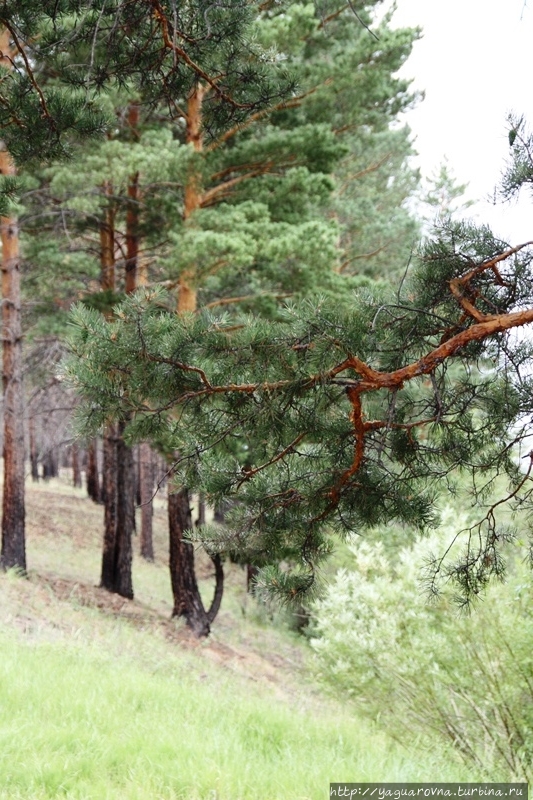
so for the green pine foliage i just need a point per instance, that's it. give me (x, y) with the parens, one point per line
(277, 218)
(199, 385)
(519, 170)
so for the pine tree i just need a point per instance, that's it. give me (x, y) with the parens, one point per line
(33, 122)
(244, 131)
(13, 553)
(146, 52)
(356, 412)
(255, 184)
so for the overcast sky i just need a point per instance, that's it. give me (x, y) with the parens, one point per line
(475, 64)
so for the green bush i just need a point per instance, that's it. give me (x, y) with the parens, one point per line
(427, 668)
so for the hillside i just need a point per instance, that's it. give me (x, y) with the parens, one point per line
(105, 698)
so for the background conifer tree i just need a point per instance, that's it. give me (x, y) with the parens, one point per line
(255, 221)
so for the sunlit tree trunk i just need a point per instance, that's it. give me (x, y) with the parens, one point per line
(187, 599)
(187, 296)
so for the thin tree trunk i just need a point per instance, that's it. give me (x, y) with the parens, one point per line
(107, 580)
(201, 510)
(93, 480)
(118, 480)
(137, 468)
(146, 481)
(187, 600)
(187, 295)
(219, 587)
(107, 245)
(251, 574)
(34, 456)
(76, 471)
(119, 513)
(219, 514)
(13, 552)
(125, 516)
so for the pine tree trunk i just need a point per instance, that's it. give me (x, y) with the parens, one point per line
(146, 481)
(187, 600)
(107, 245)
(119, 516)
(201, 510)
(107, 580)
(34, 456)
(137, 468)
(251, 574)
(118, 488)
(125, 516)
(93, 480)
(187, 294)
(76, 471)
(50, 464)
(219, 514)
(13, 552)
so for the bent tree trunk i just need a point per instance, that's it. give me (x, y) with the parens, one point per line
(13, 553)
(187, 600)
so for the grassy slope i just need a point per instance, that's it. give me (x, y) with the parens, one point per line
(110, 699)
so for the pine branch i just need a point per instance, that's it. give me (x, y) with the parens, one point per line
(225, 301)
(293, 102)
(31, 76)
(170, 43)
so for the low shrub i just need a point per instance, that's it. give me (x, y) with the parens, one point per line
(426, 668)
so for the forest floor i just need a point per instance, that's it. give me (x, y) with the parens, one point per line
(103, 698)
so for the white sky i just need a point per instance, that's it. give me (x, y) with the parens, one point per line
(474, 63)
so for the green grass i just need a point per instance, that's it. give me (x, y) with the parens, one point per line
(96, 705)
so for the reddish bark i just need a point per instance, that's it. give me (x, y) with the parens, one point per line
(13, 551)
(107, 245)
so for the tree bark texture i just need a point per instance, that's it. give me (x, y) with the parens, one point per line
(251, 575)
(50, 464)
(107, 245)
(187, 600)
(119, 516)
(125, 516)
(187, 295)
(93, 480)
(13, 551)
(76, 471)
(34, 454)
(107, 580)
(146, 481)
